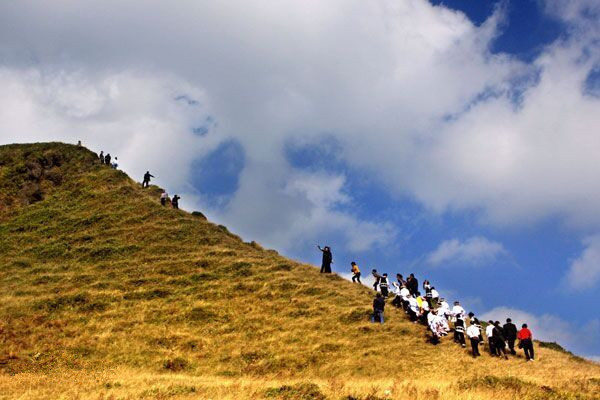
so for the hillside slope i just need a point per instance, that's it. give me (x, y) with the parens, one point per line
(107, 294)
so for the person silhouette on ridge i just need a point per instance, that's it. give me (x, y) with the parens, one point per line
(327, 259)
(146, 181)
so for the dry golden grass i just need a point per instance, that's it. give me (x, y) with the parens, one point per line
(106, 294)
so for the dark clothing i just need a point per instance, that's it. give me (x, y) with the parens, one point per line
(146, 181)
(459, 332)
(510, 333)
(101, 157)
(383, 285)
(475, 347)
(492, 346)
(527, 346)
(356, 277)
(326, 263)
(499, 341)
(175, 201)
(163, 201)
(377, 280)
(378, 304)
(412, 284)
(107, 159)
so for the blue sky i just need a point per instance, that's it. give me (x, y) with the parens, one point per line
(456, 139)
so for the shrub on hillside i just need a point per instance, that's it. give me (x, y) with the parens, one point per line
(176, 364)
(300, 391)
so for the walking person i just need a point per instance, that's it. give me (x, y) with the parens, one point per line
(146, 181)
(102, 157)
(175, 201)
(378, 308)
(327, 259)
(526, 342)
(355, 272)
(489, 332)
(459, 331)
(383, 286)
(499, 340)
(473, 333)
(163, 198)
(510, 333)
(377, 278)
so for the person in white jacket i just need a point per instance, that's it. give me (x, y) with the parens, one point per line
(473, 333)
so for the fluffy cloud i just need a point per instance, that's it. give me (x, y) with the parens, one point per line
(473, 251)
(550, 328)
(410, 91)
(584, 272)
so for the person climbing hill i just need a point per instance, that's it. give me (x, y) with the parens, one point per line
(526, 342)
(175, 201)
(146, 181)
(327, 259)
(378, 308)
(101, 156)
(107, 159)
(355, 272)
(163, 198)
(377, 278)
(510, 333)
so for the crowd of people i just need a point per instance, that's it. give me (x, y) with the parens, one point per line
(105, 159)
(433, 311)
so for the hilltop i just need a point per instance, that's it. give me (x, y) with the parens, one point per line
(107, 294)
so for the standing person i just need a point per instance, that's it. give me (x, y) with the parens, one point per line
(383, 285)
(400, 279)
(526, 342)
(355, 272)
(473, 333)
(327, 259)
(458, 311)
(146, 181)
(102, 157)
(115, 164)
(107, 159)
(412, 284)
(510, 333)
(175, 201)
(459, 331)
(378, 307)
(489, 332)
(377, 278)
(163, 198)
(499, 340)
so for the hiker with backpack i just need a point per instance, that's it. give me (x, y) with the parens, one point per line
(327, 259)
(146, 181)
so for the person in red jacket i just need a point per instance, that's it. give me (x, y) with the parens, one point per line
(526, 342)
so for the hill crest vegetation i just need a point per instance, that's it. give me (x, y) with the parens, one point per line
(107, 294)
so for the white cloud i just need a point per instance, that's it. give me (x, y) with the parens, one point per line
(584, 272)
(550, 328)
(473, 251)
(380, 77)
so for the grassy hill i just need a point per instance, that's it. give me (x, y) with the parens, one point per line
(105, 294)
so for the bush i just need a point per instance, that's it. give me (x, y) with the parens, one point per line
(301, 391)
(198, 214)
(176, 364)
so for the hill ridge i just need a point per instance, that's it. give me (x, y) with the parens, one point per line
(84, 295)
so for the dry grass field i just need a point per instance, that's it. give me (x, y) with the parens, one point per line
(105, 294)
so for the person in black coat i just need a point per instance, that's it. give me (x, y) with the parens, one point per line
(175, 201)
(510, 333)
(412, 284)
(378, 307)
(327, 259)
(499, 339)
